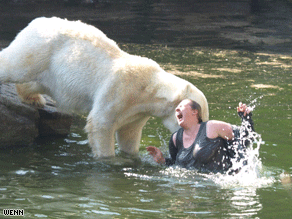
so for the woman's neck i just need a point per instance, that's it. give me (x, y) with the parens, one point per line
(193, 129)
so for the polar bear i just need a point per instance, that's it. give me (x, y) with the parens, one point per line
(83, 70)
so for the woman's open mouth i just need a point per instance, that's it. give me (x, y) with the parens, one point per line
(179, 116)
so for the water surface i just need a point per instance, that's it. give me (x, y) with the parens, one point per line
(59, 178)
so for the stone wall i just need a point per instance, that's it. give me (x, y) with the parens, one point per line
(21, 124)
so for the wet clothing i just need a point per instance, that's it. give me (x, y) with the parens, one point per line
(206, 154)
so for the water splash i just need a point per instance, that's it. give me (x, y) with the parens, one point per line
(247, 169)
(251, 174)
(254, 102)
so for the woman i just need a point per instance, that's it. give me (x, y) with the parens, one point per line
(205, 146)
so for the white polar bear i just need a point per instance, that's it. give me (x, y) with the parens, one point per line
(82, 69)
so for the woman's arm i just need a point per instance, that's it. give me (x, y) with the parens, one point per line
(172, 150)
(158, 156)
(224, 130)
(219, 129)
(245, 113)
(243, 108)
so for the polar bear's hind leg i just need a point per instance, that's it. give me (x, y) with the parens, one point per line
(29, 93)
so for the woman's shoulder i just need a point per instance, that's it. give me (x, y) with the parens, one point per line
(216, 128)
(174, 137)
(177, 135)
(216, 123)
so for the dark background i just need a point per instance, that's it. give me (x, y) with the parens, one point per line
(256, 25)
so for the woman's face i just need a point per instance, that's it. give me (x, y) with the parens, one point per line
(184, 113)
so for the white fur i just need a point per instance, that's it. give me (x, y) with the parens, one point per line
(83, 70)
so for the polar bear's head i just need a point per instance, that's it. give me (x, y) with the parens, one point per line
(170, 122)
(187, 91)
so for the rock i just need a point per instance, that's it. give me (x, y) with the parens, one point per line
(21, 124)
(53, 122)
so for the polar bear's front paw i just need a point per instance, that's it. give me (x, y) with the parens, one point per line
(36, 100)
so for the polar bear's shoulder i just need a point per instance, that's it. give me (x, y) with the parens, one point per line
(137, 65)
(56, 27)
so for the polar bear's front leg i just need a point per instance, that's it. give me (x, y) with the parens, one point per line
(102, 143)
(101, 137)
(129, 136)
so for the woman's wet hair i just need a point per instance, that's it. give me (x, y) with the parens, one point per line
(195, 106)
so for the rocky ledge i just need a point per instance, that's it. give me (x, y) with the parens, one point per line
(21, 124)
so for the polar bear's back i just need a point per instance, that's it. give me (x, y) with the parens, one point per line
(56, 30)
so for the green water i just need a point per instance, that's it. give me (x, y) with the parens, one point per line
(59, 178)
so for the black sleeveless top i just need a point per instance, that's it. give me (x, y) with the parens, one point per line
(212, 155)
(205, 154)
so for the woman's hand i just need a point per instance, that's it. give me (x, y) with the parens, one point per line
(244, 109)
(156, 153)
